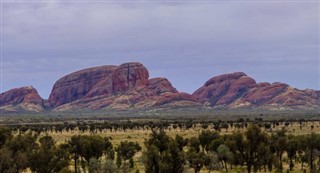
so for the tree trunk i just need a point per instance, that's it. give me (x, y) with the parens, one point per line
(225, 165)
(75, 164)
(249, 167)
(280, 162)
(291, 164)
(311, 160)
(83, 164)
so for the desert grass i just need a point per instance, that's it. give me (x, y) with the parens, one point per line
(139, 135)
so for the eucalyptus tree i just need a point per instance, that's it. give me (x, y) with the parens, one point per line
(224, 155)
(126, 150)
(196, 159)
(87, 148)
(250, 146)
(279, 142)
(5, 134)
(49, 158)
(164, 154)
(312, 144)
(205, 138)
(21, 146)
(292, 148)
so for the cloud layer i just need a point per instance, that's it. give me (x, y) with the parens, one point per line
(186, 42)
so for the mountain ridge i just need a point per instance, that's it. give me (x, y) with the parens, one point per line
(128, 86)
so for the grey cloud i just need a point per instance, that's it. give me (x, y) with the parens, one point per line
(182, 41)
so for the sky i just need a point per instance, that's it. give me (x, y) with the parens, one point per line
(187, 42)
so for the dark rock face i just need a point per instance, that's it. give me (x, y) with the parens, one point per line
(24, 96)
(238, 90)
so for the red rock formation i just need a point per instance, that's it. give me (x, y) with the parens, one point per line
(129, 75)
(84, 83)
(171, 97)
(121, 86)
(262, 94)
(239, 90)
(160, 86)
(128, 86)
(24, 96)
(224, 89)
(20, 95)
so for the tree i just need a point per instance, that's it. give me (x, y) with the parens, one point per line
(21, 146)
(205, 138)
(172, 159)
(108, 148)
(196, 160)
(181, 142)
(5, 160)
(224, 155)
(75, 149)
(5, 134)
(87, 147)
(167, 157)
(159, 139)
(212, 161)
(214, 144)
(250, 146)
(126, 150)
(312, 143)
(279, 142)
(49, 158)
(151, 159)
(292, 148)
(195, 144)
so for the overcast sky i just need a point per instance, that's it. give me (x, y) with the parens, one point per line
(187, 42)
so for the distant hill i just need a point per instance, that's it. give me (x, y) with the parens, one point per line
(237, 90)
(128, 87)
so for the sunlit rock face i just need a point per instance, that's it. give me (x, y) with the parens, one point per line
(128, 86)
(121, 87)
(21, 98)
(236, 90)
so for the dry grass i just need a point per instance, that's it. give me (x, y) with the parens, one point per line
(140, 136)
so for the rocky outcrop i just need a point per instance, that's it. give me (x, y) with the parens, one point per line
(26, 98)
(120, 87)
(160, 86)
(84, 83)
(128, 76)
(264, 93)
(174, 97)
(238, 90)
(224, 89)
(128, 86)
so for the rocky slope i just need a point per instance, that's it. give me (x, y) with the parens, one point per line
(24, 98)
(238, 90)
(119, 87)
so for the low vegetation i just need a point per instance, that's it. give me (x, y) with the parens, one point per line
(163, 146)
